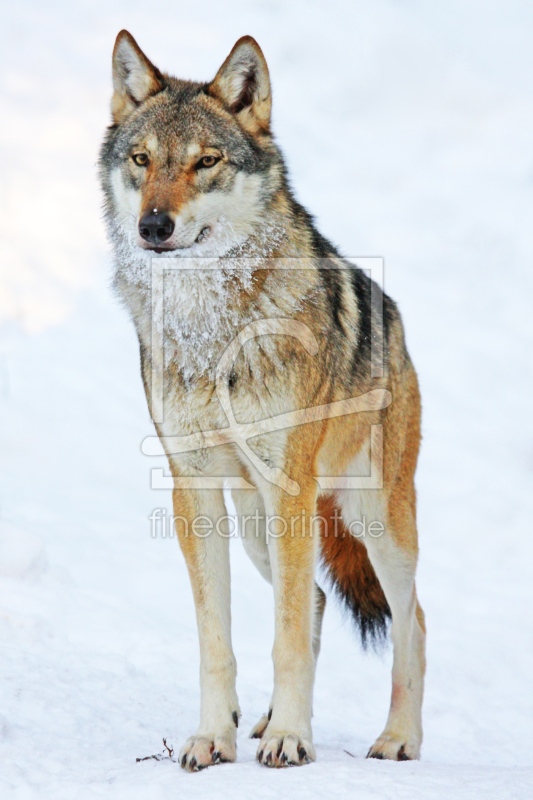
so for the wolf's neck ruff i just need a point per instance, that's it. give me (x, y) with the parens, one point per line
(207, 298)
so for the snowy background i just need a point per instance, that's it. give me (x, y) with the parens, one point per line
(408, 129)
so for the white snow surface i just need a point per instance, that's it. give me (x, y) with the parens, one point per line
(408, 132)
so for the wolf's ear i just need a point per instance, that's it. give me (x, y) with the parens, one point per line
(243, 85)
(135, 78)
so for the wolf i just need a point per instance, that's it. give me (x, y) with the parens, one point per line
(191, 173)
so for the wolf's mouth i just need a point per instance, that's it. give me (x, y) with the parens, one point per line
(204, 233)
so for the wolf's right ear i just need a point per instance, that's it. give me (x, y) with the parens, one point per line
(135, 78)
(243, 85)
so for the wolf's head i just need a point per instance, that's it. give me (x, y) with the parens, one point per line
(188, 167)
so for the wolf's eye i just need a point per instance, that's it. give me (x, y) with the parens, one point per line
(141, 159)
(207, 161)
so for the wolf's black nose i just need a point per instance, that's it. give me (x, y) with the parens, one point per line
(156, 228)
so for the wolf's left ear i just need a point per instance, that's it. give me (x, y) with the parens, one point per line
(135, 78)
(243, 85)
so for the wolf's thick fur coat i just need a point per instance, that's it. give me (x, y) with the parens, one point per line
(201, 158)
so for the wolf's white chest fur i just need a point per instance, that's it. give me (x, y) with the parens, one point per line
(198, 306)
(188, 303)
(198, 301)
(199, 314)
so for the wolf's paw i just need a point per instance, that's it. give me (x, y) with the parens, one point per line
(395, 748)
(200, 752)
(284, 750)
(260, 727)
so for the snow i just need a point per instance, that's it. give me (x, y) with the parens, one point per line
(407, 128)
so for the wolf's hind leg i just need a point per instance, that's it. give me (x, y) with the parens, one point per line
(252, 527)
(394, 561)
(394, 557)
(320, 607)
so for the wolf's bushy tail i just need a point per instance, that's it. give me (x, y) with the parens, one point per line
(351, 575)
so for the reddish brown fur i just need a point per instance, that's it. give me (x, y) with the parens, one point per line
(350, 571)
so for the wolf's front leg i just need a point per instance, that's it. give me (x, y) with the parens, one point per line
(206, 552)
(287, 740)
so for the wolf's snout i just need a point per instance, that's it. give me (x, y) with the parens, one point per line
(156, 228)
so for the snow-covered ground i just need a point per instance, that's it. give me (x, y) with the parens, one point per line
(408, 128)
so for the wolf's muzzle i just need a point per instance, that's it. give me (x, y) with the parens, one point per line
(156, 228)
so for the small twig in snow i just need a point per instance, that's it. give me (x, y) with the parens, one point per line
(170, 750)
(168, 756)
